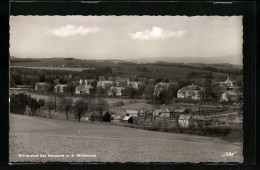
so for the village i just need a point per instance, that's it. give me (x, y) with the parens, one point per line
(193, 106)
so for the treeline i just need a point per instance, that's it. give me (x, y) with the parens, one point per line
(19, 102)
(29, 76)
(24, 104)
(228, 71)
(24, 60)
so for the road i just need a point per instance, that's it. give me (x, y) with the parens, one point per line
(109, 143)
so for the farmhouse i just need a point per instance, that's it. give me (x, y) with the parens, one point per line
(103, 84)
(42, 86)
(83, 89)
(190, 92)
(185, 121)
(59, 88)
(162, 112)
(132, 113)
(159, 87)
(115, 118)
(228, 96)
(128, 119)
(115, 91)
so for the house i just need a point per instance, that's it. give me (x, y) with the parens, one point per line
(228, 96)
(128, 119)
(115, 91)
(59, 88)
(115, 118)
(162, 112)
(185, 121)
(103, 84)
(42, 86)
(192, 91)
(159, 87)
(83, 89)
(106, 116)
(132, 113)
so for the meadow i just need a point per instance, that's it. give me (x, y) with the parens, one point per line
(34, 135)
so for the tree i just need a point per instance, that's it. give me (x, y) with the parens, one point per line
(41, 103)
(102, 106)
(33, 105)
(80, 107)
(18, 103)
(148, 91)
(66, 106)
(50, 104)
(71, 87)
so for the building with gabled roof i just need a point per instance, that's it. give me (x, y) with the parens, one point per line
(185, 121)
(83, 89)
(228, 96)
(115, 91)
(132, 113)
(59, 88)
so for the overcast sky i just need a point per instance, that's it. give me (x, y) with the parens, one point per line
(125, 37)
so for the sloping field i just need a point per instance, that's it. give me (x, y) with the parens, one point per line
(107, 143)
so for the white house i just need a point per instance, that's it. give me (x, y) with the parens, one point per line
(132, 113)
(59, 88)
(83, 89)
(185, 121)
(104, 83)
(228, 96)
(115, 91)
(162, 112)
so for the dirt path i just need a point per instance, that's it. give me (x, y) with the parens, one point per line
(33, 135)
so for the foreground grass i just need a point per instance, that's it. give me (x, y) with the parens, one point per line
(32, 135)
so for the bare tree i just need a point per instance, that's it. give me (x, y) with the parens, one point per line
(66, 106)
(80, 107)
(102, 106)
(50, 104)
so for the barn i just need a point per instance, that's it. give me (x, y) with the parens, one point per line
(128, 119)
(106, 116)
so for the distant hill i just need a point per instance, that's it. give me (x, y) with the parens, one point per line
(231, 59)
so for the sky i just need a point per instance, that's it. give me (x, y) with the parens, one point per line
(125, 37)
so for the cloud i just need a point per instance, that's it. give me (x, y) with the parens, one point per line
(72, 30)
(156, 33)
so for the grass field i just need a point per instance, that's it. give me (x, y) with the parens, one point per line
(34, 135)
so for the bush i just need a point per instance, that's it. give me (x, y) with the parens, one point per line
(215, 130)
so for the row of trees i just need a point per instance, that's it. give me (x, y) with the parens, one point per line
(20, 103)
